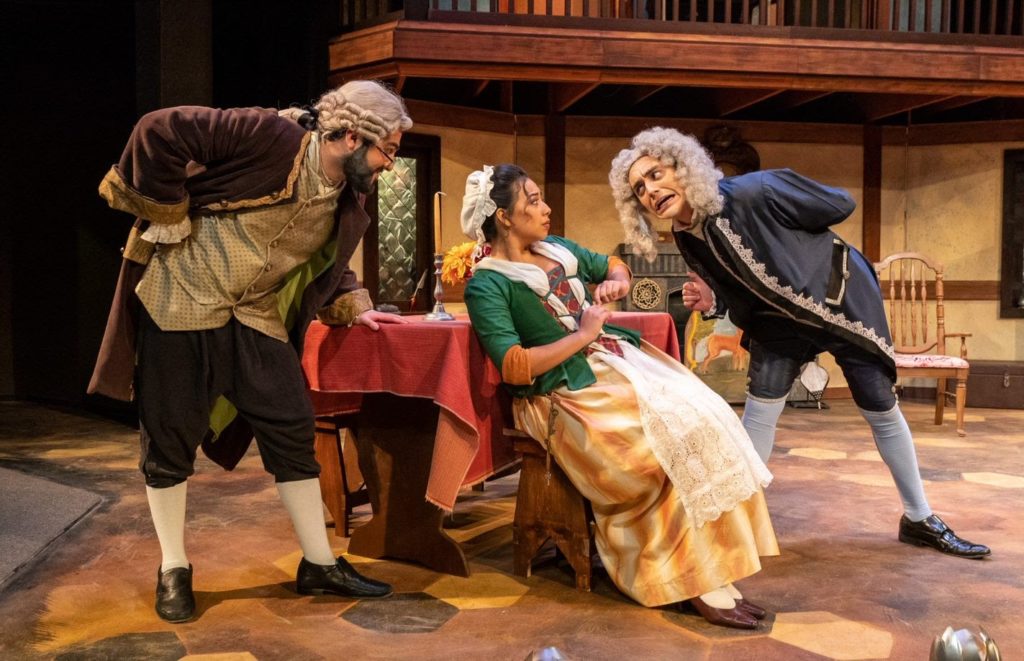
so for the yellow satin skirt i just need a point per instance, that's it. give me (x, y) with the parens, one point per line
(647, 544)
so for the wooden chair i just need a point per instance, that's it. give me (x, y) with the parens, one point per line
(913, 285)
(341, 483)
(548, 506)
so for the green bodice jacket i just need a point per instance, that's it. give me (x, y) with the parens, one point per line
(506, 313)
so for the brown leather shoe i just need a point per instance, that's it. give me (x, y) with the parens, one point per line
(751, 608)
(934, 532)
(724, 617)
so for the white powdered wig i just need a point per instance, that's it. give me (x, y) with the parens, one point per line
(364, 106)
(693, 165)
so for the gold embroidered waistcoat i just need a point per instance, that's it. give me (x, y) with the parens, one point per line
(233, 264)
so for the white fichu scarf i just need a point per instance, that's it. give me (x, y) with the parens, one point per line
(694, 434)
(536, 279)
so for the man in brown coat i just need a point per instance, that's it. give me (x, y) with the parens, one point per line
(247, 219)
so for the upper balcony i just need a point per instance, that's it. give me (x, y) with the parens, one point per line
(837, 61)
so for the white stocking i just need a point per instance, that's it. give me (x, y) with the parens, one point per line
(719, 598)
(167, 507)
(302, 500)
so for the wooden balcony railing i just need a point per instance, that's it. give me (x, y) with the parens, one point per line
(955, 17)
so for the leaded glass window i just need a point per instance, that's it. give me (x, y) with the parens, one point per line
(396, 208)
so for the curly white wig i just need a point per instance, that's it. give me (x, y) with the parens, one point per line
(692, 164)
(364, 106)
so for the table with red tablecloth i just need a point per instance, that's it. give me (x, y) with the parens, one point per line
(427, 391)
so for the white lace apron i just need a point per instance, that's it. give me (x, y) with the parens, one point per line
(692, 432)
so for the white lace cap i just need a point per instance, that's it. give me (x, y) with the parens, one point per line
(477, 204)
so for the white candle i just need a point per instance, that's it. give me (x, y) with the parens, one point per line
(438, 249)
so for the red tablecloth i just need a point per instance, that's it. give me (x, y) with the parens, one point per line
(442, 361)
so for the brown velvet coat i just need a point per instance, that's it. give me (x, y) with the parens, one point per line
(194, 160)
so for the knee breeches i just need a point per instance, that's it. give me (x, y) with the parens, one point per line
(775, 365)
(179, 376)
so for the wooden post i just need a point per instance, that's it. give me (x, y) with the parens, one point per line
(554, 169)
(871, 208)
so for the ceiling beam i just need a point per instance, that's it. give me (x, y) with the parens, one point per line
(729, 101)
(876, 108)
(562, 96)
(953, 102)
(455, 116)
(633, 95)
(479, 88)
(474, 89)
(793, 99)
(615, 76)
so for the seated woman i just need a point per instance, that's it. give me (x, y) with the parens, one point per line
(674, 481)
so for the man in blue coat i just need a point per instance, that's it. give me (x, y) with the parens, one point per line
(761, 250)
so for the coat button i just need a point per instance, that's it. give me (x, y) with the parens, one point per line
(267, 267)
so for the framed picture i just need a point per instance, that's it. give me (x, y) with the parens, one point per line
(711, 349)
(1011, 277)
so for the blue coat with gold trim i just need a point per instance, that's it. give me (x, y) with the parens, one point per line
(775, 265)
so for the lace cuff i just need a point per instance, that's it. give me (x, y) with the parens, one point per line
(344, 310)
(712, 312)
(168, 233)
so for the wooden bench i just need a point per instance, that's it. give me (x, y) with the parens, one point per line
(548, 506)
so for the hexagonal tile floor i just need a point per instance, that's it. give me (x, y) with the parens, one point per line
(843, 587)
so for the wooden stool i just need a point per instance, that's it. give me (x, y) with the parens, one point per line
(341, 483)
(549, 508)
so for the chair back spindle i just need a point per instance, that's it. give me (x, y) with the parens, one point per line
(914, 285)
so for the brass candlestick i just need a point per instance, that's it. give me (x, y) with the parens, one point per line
(438, 313)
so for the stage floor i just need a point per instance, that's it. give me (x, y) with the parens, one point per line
(843, 588)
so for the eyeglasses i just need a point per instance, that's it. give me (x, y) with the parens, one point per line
(390, 157)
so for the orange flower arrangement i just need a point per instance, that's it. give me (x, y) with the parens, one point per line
(457, 266)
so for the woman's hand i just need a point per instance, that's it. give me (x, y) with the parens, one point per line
(592, 321)
(697, 294)
(547, 356)
(610, 290)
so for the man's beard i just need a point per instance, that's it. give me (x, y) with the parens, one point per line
(358, 172)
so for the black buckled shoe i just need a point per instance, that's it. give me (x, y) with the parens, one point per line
(174, 599)
(934, 532)
(339, 578)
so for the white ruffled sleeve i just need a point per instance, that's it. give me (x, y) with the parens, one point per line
(164, 233)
